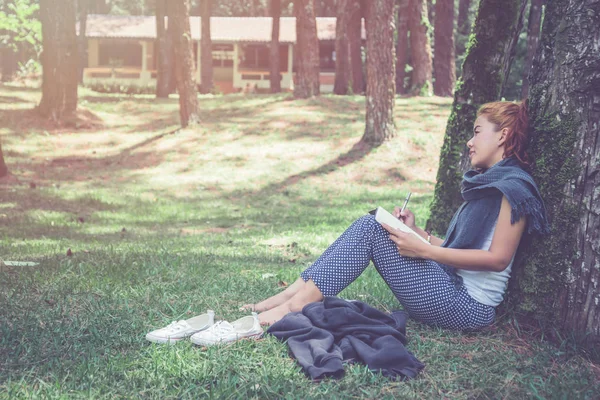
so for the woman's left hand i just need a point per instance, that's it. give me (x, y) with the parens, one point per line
(408, 245)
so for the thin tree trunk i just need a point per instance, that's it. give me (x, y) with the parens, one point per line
(206, 70)
(179, 21)
(381, 59)
(402, 45)
(444, 62)
(357, 81)
(511, 47)
(59, 59)
(9, 63)
(275, 75)
(307, 46)
(342, 56)
(557, 275)
(481, 83)
(463, 25)
(83, 13)
(163, 66)
(533, 35)
(3, 167)
(420, 48)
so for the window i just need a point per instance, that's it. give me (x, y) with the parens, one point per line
(327, 56)
(222, 55)
(258, 57)
(120, 54)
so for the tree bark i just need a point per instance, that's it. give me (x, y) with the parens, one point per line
(381, 59)
(342, 57)
(420, 48)
(206, 70)
(481, 83)
(511, 47)
(402, 45)
(274, 54)
(3, 167)
(307, 50)
(179, 22)
(357, 81)
(59, 59)
(163, 65)
(444, 62)
(83, 13)
(557, 276)
(463, 29)
(533, 35)
(9, 63)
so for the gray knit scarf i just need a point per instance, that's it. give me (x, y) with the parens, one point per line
(482, 192)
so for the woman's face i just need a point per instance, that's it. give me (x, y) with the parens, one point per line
(486, 147)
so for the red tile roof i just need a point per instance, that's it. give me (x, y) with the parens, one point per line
(222, 29)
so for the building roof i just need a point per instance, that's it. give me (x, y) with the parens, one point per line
(222, 29)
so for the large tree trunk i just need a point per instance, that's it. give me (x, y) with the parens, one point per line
(3, 167)
(463, 24)
(402, 45)
(307, 50)
(163, 64)
(357, 81)
(558, 275)
(206, 68)
(444, 63)
(381, 85)
(275, 74)
(9, 63)
(83, 13)
(179, 21)
(342, 56)
(59, 59)
(420, 48)
(511, 48)
(533, 35)
(481, 83)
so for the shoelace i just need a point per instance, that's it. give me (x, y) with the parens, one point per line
(175, 326)
(221, 328)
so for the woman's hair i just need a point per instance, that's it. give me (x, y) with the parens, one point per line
(506, 114)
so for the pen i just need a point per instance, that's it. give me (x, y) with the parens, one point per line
(405, 202)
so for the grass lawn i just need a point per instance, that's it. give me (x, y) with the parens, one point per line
(135, 223)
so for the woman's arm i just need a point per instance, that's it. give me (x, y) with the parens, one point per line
(504, 244)
(436, 241)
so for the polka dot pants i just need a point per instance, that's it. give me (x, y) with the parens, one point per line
(430, 292)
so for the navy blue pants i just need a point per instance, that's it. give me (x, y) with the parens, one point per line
(428, 291)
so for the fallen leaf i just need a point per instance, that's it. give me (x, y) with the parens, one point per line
(69, 252)
(282, 284)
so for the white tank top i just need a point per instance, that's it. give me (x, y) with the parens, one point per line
(487, 287)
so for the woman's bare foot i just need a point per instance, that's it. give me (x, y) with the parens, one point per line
(276, 300)
(274, 314)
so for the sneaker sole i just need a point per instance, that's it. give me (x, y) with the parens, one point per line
(206, 343)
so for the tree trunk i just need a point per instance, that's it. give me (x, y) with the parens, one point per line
(83, 13)
(402, 45)
(533, 35)
(481, 83)
(275, 75)
(357, 81)
(3, 167)
(511, 47)
(420, 48)
(558, 275)
(59, 59)
(463, 25)
(206, 69)
(307, 50)
(179, 21)
(444, 62)
(342, 56)
(9, 63)
(381, 59)
(163, 73)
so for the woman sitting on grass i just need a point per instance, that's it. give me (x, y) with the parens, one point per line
(454, 283)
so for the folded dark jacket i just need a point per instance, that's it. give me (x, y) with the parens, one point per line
(325, 334)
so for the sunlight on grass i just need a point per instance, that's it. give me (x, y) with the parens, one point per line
(163, 224)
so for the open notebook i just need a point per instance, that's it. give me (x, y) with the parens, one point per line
(384, 217)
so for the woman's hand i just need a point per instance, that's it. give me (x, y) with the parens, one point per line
(405, 216)
(408, 244)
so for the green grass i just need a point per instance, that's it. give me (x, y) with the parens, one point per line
(165, 223)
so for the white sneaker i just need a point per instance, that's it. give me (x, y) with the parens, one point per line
(225, 332)
(178, 330)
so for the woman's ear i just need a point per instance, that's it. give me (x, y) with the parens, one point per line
(503, 136)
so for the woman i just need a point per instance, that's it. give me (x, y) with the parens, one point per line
(454, 283)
